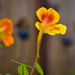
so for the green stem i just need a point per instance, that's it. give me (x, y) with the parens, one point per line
(34, 65)
(21, 63)
(38, 49)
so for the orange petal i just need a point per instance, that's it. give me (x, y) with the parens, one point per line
(6, 43)
(53, 16)
(10, 39)
(60, 28)
(41, 13)
(7, 25)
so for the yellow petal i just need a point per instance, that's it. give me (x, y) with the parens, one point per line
(53, 15)
(62, 30)
(51, 33)
(37, 24)
(47, 29)
(59, 28)
(41, 13)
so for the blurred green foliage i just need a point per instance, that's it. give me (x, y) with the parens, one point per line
(72, 71)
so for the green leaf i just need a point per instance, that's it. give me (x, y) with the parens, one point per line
(7, 74)
(25, 71)
(1, 46)
(39, 69)
(22, 70)
(0, 74)
(72, 71)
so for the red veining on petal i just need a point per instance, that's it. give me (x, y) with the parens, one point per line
(49, 19)
(51, 29)
(43, 16)
(55, 28)
(46, 18)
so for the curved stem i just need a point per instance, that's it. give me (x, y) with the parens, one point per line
(34, 65)
(38, 48)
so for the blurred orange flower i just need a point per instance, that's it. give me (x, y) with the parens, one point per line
(6, 29)
(48, 19)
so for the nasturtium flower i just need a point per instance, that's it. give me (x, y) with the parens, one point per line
(48, 25)
(48, 19)
(6, 30)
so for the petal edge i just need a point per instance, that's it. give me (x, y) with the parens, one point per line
(41, 13)
(37, 24)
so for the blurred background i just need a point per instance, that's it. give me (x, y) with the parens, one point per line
(57, 53)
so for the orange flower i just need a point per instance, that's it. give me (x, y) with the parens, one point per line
(6, 29)
(48, 25)
(48, 19)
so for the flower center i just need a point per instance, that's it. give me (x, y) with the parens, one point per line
(2, 33)
(48, 19)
